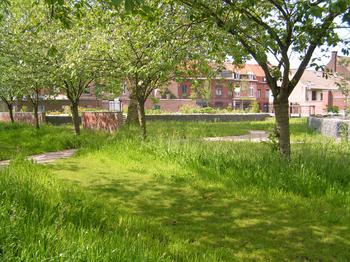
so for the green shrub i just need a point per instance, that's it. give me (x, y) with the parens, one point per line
(155, 100)
(255, 108)
(24, 109)
(333, 109)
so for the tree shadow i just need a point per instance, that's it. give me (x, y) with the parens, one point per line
(243, 227)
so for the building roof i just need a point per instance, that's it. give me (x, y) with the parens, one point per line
(339, 65)
(343, 65)
(245, 69)
(315, 80)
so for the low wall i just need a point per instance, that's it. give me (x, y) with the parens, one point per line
(209, 117)
(22, 117)
(166, 105)
(331, 127)
(109, 121)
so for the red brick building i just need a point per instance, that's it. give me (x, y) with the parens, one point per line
(340, 67)
(236, 87)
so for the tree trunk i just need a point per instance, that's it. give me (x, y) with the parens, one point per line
(75, 117)
(10, 108)
(132, 117)
(142, 118)
(282, 124)
(36, 115)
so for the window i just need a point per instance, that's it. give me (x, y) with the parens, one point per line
(218, 91)
(259, 93)
(237, 76)
(267, 94)
(251, 76)
(251, 91)
(41, 108)
(321, 96)
(226, 74)
(313, 96)
(184, 90)
(264, 79)
(237, 91)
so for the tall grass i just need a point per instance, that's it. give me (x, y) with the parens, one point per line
(43, 220)
(173, 198)
(23, 139)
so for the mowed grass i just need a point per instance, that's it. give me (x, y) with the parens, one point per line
(178, 198)
(23, 139)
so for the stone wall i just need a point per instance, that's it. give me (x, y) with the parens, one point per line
(22, 117)
(331, 127)
(167, 105)
(209, 117)
(109, 121)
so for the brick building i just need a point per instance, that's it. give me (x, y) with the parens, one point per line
(57, 103)
(315, 93)
(340, 67)
(236, 87)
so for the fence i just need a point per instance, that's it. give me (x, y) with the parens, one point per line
(298, 110)
(209, 117)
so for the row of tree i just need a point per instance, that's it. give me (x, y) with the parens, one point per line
(145, 43)
(98, 45)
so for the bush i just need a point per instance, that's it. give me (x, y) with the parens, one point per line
(187, 109)
(155, 100)
(24, 109)
(333, 109)
(255, 107)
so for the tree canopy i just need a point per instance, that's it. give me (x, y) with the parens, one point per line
(276, 28)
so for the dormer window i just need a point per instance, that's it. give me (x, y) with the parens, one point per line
(226, 74)
(251, 76)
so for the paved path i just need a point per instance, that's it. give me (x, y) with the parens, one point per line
(252, 136)
(47, 157)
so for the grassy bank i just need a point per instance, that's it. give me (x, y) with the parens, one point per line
(25, 140)
(177, 199)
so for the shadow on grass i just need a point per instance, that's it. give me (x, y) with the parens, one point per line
(243, 227)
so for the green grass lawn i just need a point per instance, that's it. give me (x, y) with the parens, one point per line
(25, 140)
(178, 198)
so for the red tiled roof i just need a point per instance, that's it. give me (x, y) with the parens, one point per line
(245, 69)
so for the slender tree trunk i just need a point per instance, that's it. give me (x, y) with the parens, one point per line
(10, 108)
(36, 115)
(282, 124)
(75, 117)
(132, 117)
(142, 118)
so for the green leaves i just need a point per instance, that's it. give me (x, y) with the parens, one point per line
(316, 11)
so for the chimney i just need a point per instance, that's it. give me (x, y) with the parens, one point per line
(334, 61)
